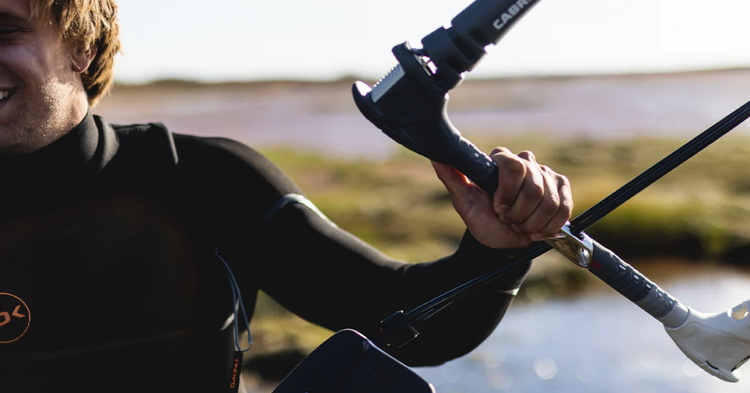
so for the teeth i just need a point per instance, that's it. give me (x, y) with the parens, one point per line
(4, 94)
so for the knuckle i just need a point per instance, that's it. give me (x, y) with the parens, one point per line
(566, 208)
(500, 150)
(512, 165)
(564, 211)
(563, 180)
(535, 191)
(527, 155)
(549, 207)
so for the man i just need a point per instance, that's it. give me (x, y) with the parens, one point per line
(109, 233)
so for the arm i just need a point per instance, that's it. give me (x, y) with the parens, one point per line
(531, 203)
(333, 279)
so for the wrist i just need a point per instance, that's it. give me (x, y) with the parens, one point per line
(483, 259)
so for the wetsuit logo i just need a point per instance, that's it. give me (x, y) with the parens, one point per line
(15, 318)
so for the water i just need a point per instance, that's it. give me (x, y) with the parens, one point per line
(594, 343)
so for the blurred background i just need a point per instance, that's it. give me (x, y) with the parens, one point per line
(599, 90)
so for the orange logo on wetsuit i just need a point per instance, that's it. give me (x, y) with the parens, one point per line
(235, 371)
(15, 318)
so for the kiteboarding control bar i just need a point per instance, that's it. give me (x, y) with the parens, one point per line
(590, 216)
(409, 105)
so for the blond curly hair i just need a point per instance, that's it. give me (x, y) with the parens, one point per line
(87, 25)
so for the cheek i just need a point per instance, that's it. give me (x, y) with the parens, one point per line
(21, 65)
(35, 70)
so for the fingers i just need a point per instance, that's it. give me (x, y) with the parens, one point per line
(547, 205)
(511, 175)
(533, 198)
(533, 191)
(564, 210)
(455, 182)
(554, 209)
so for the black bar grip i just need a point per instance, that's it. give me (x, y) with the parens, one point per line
(630, 282)
(476, 165)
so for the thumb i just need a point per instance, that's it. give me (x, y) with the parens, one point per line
(455, 181)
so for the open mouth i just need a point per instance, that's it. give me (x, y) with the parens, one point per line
(5, 96)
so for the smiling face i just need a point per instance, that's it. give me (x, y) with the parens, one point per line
(40, 82)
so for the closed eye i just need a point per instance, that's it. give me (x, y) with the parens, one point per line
(8, 34)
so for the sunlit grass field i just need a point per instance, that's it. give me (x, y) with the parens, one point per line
(700, 212)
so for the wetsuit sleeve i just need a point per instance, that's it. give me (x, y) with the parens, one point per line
(329, 277)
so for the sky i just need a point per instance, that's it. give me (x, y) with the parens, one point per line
(223, 40)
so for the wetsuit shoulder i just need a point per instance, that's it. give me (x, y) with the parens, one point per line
(232, 163)
(232, 187)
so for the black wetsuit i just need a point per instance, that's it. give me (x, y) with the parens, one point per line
(110, 244)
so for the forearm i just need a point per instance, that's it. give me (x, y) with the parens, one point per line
(335, 280)
(463, 325)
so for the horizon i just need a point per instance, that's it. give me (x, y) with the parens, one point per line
(469, 79)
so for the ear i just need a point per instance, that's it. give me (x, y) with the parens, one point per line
(81, 59)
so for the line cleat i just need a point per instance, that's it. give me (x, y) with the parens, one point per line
(718, 343)
(577, 248)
